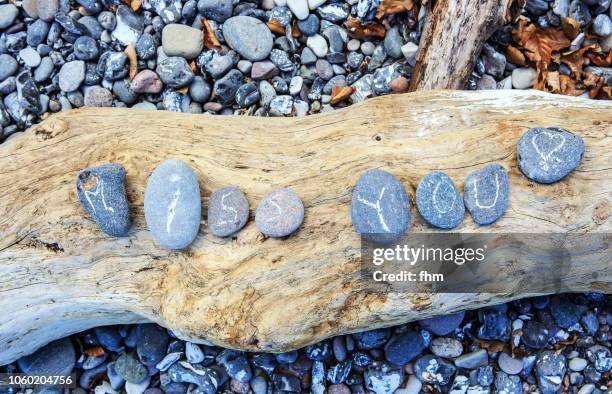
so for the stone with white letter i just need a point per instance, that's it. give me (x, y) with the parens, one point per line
(172, 204)
(102, 193)
(228, 211)
(547, 155)
(439, 201)
(380, 209)
(280, 213)
(486, 193)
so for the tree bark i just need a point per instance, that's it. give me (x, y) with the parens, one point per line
(59, 274)
(453, 36)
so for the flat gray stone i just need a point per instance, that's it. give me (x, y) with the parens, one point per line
(486, 193)
(510, 365)
(8, 13)
(71, 75)
(547, 155)
(280, 213)
(380, 209)
(473, 360)
(182, 40)
(56, 358)
(439, 201)
(102, 193)
(172, 204)
(248, 36)
(228, 211)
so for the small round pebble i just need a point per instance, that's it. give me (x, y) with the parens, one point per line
(228, 211)
(547, 155)
(486, 193)
(280, 213)
(97, 96)
(439, 201)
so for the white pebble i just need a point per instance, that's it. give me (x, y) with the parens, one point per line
(577, 364)
(587, 389)
(267, 4)
(104, 388)
(517, 324)
(295, 86)
(299, 8)
(280, 3)
(410, 52)
(30, 57)
(523, 78)
(133, 388)
(317, 44)
(505, 83)
(367, 48)
(353, 45)
(194, 353)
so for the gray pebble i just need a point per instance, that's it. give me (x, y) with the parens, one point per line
(8, 13)
(225, 88)
(247, 95)
(473, 360)
(439, 201)
(8, 66)
(97, 96)
(547, 155)
(279, 213)
(130, 369)
(264, 70)
(101, 191)
(182, 40)
(199, 89)
(393, 43)
(37, 33)
(172, 204)
(85, 48)
(71, 75)
(217, 10)
(510, 365)
(56, 358)
(380, 209)
(129, 25)
(228, 212)
(486, 193)
(248, 36)
(281, 105)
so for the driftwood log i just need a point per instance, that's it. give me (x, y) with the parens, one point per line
(452, 38)
(59, 274)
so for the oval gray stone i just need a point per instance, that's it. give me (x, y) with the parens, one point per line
(486, 193)
(547, 155)
(380, 209)
(102, 193)
(56, 358)
(172, 204)
(228, 211)
(439, 201)
(279, 213)
(248, 36)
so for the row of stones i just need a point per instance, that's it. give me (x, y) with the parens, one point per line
(172, 205)
(380, 208)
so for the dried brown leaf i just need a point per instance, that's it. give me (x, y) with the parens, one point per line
(391, 7)
(275, 26)
(96, 351)
(209, 38)
(295, 30)
(359, 30)
(493, 346)
(515, 56)
(568, 86)
(340, 93)
(537, 43)
(136, 4)
(570, 27)
(130, 52)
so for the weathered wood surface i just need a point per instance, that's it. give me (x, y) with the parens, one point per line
(59, 274)
(452, 38)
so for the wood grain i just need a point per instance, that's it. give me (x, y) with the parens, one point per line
(59, 274)
(453, 36)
